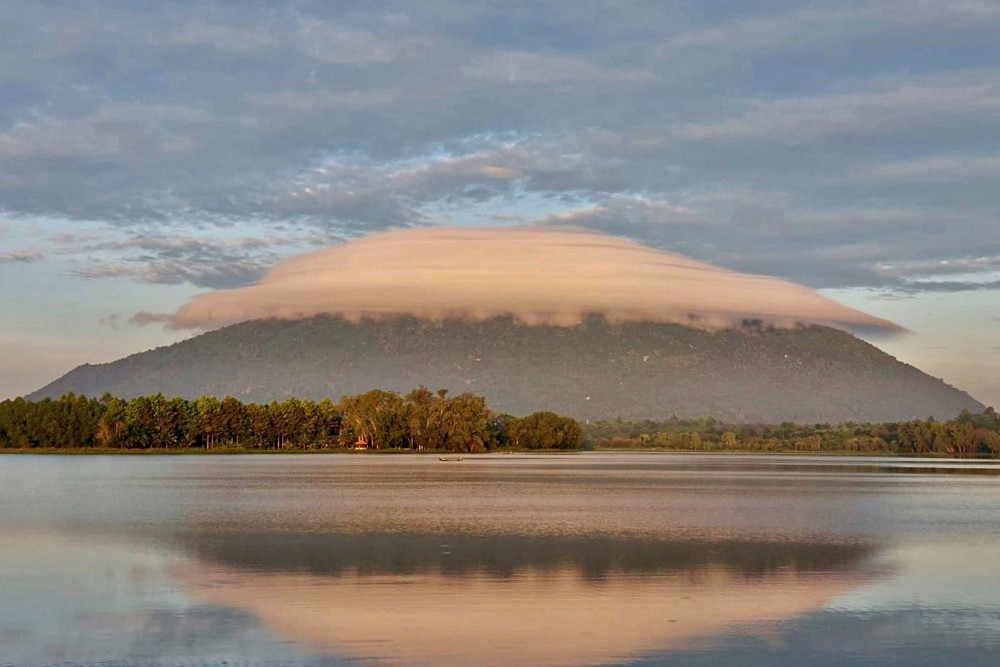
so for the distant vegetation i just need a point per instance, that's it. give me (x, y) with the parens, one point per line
(374, 420)
(968, 435)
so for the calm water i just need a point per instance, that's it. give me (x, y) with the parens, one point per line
(589, 559)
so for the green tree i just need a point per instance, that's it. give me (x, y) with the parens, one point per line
(375, 419)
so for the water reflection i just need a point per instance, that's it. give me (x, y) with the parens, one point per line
(399, 598)
(72, 599)
(935, 603)
(498, 556)
(491, 600)
(586, 559)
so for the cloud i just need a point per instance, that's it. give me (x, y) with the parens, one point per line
(524, 67)
(204, 262)
(888, 110)
(822, 247)
(314, 101)
(812, 26)
(536, 274)
(938, 169)
(918, 286)
(272, 33)
(399, 193)
(804, 27)
(956, 267)
(503, 173)
(176, 272)
(19, 257)
(144, 318)
(115, 131)
(793, 138)
(333, 44)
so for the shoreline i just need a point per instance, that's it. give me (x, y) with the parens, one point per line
(86, 451)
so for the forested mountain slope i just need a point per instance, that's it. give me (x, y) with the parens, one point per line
(596, 370)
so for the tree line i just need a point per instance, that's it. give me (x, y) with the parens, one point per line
(969, 434)
(426, 420)
(374, 420)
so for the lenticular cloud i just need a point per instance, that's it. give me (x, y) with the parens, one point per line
(538, 275)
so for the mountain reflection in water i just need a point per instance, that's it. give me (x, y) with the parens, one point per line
(499, 556)
(609, 558)
(505, 599)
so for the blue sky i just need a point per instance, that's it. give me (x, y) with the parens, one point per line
(152, 151)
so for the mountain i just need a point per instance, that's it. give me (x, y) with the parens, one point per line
(596, 370)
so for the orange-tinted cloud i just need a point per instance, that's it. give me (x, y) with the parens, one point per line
(536, 274)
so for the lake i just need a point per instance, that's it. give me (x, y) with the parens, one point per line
(578, 559)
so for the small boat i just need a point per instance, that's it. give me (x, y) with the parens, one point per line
(450, 458)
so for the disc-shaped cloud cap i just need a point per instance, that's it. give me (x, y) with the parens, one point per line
(538, 275)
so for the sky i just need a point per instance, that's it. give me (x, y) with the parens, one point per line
(151, 152)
